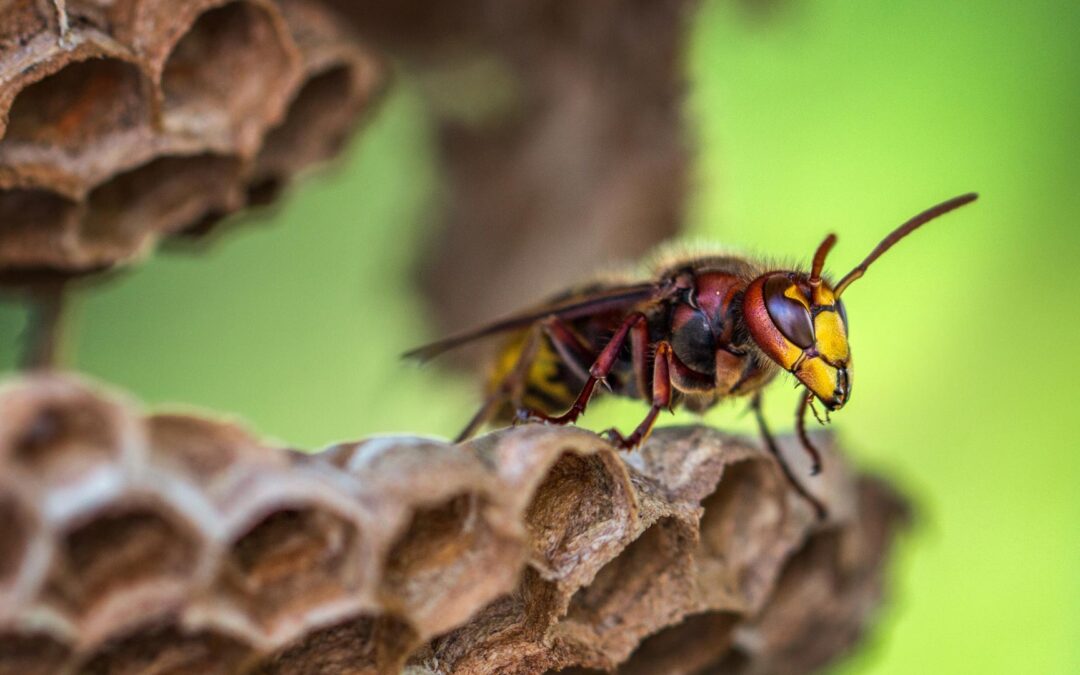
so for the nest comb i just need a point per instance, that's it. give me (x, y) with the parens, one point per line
(174, 543)
(126, 121)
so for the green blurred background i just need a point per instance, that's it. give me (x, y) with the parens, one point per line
(829, 115)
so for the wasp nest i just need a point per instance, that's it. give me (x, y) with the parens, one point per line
(124, 121)
(179, 544)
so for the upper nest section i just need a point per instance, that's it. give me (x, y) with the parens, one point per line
(179, 544)
(148, 118)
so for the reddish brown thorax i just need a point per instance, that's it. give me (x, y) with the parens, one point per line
(705, 321)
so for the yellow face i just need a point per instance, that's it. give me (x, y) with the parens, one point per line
(802, 327)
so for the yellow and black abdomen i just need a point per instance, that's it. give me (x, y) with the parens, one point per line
(549, 385)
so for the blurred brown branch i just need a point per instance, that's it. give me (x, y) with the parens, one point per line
(561, 133)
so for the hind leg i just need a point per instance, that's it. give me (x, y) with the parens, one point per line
(600, 369)
(572, 350)
(509, 389)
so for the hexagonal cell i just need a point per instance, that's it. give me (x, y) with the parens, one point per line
(448, 564)
(573, 508)
(159, 197)
(292, 561)
(687, 648)
(56, 431)
(745, 535)
(316, 126)
(813, 614)
(125, 553)
(37, 229)
(820, 605)
(79, 105)
(647, 586)
(202, 449)
(31, 654)
(510, 630)
(169, 649)
(362, 645)
(218, 75)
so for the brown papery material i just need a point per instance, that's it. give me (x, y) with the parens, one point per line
(147, 118)
(139, 543)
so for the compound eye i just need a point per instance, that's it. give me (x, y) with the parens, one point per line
(788, 314)
(843, 315)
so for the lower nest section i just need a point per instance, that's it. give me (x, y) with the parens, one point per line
(176, 544)
(163, 119)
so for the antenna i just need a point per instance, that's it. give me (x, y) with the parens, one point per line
(898, 234)
(819, 259)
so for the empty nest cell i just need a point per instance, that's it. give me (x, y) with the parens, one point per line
(293, 561)
(225, 71)
(201, 449)
(124, 554)
(168, 648)
(647, 586)
(807, 621)
(80, 105)
(37, 229)
(508, 632)
(362, 645)
(55, 432)
(316, 126)
(687, 648)
(159, 197)
(447, 564)
(573, 508)
(743, 540)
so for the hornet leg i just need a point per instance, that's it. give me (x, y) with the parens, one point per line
(575, 353)
(510, 387)
(600, 369)
(661, 398)
(800, 428)
(770, 443)
(570, 348)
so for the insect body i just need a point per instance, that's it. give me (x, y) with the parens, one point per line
(702, 330)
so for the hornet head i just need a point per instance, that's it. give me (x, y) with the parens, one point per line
(799, 321)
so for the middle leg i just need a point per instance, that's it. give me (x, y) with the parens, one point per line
(800, 428)
(661, 398)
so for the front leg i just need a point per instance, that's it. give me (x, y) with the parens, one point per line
(770, 443)
(661, 398)
(800, 428)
